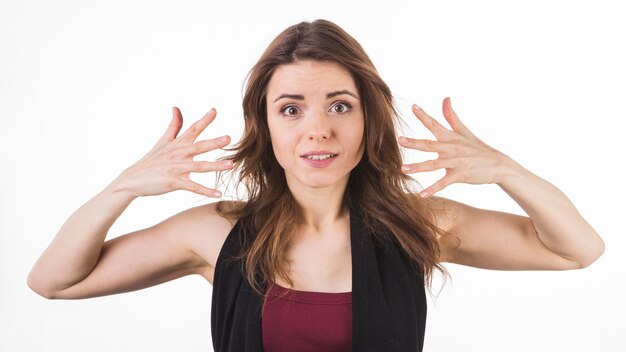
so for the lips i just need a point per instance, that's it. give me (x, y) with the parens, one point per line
(319, 155)
(319, 152)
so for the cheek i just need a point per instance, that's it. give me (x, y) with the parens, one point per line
(283, 145)
(357, 139)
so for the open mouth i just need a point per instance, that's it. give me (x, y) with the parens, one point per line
(319, 156)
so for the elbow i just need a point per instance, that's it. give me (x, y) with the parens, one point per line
(592, 255)
(38, 288)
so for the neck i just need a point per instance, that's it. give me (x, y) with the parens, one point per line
(321, 207)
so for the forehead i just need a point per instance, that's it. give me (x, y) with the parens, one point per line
(313, 77)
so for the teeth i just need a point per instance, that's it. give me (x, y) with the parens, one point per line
(319, 157)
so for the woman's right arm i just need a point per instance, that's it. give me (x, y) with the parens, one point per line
(79, 264)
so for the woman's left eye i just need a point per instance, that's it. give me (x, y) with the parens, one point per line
(344, 107)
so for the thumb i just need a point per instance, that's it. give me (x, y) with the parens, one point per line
(172, 130)
(454, 120)
(174, 127)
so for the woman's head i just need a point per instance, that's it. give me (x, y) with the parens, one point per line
(324, 45)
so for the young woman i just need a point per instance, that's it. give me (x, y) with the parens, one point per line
(331, 249)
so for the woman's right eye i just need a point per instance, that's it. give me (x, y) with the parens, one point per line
(289, 110)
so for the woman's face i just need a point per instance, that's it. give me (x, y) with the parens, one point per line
(316, 123)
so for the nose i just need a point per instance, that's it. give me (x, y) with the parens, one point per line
(319, 128)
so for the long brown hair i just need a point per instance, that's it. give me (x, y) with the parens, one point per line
(376, 186)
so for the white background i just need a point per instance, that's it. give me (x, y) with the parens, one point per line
(86, 89)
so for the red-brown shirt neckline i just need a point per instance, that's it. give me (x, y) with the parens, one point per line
(294, 320)
(310, 296)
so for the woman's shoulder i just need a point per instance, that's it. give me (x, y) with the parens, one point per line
(440, 211)
(204, 230)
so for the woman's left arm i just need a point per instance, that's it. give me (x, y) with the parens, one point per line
(554, 236)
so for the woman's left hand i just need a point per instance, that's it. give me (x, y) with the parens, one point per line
(465, 157)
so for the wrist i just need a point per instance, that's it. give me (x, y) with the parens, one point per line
(510, 172)
(119, 188)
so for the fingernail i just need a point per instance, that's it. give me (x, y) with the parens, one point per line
(417, 108)
(403, 140)
(212, 110)
(217, 194)
(223, 139)
(227, 163)
(406, 168)
(423, 194)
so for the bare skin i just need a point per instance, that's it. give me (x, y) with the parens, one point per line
(79, 263)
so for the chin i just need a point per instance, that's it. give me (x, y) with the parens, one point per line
(319, 181)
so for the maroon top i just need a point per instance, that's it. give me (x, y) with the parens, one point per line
(307, 321)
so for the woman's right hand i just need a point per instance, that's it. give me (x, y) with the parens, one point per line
(167, 165)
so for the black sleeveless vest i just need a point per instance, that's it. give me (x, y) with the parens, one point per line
(388, 298)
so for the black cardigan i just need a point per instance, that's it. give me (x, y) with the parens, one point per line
(388, 298)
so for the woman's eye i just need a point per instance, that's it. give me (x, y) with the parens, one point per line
(289, 110)
(341, 107)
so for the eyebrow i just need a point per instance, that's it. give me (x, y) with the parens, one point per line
(328, 96)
